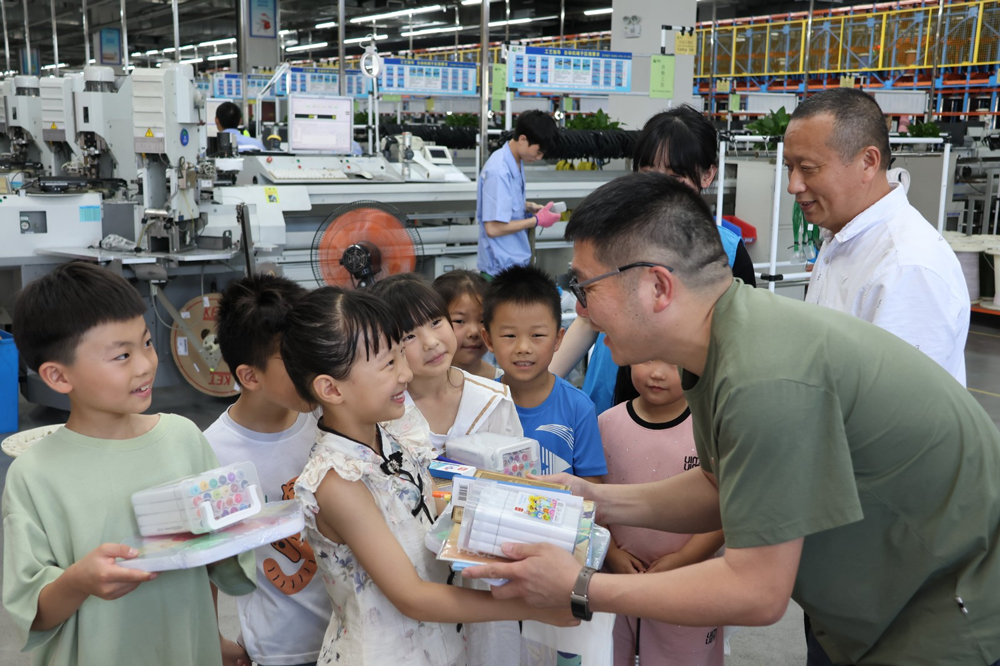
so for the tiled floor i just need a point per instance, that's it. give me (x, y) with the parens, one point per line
(779, 645)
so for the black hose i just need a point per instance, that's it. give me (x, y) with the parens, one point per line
(598, 145)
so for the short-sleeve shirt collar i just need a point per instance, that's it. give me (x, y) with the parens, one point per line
(515, 169)
(878, 212)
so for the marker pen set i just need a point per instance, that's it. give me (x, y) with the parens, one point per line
(514, 456)
(201, 503)
(442, 469)
(497, 513)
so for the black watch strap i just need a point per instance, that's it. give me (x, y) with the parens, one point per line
(579, 602)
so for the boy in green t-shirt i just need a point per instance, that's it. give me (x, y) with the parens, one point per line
(66, 502)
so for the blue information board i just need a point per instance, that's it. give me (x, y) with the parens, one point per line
(358, 85)
(227, 86)
(318, 81)
(540, 69)
(408, 76)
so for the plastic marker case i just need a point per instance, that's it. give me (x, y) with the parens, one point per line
(445, 536)
(497, 513)
(201, 503)
(277, 520)
(514, 456)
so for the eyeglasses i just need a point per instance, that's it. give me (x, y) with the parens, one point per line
(579, 288)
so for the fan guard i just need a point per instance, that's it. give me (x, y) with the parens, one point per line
(363, 242)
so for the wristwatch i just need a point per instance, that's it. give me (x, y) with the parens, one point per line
(579, 603)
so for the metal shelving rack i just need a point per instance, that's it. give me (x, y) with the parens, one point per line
(893, 46)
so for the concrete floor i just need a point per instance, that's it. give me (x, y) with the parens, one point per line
(778, 645)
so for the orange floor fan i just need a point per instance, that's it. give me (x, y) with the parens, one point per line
(363, 242)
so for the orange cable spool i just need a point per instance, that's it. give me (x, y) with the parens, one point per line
(206, 372)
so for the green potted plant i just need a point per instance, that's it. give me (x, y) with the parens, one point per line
(928, 130)
(773, 124)
(592, 121)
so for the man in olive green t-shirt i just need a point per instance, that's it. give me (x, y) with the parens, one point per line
(847, 469)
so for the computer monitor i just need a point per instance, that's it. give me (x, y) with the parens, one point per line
(211, 106)
(320, 124)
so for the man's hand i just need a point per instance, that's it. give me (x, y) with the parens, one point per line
(233, 653)
(98, 575)
(620, 561)
(577, 486)
(531, 207)
(668, 562)
(543, 576)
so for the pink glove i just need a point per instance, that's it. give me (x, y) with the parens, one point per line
(546, 218)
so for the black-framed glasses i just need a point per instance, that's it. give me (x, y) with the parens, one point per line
(579, 288)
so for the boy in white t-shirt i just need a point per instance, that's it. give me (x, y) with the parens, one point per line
(283, 622)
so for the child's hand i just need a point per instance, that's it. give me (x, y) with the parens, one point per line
(668, 562)
(621, 561)
(98, 575)
(233, 653)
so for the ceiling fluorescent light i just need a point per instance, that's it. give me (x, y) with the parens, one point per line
(218, 42)
(61, 64)
(395, 14)
(224, 56)
(428, 24)
(521, 21)
(472, 2)
(358, 40)
(323, 26)
(432, 31)
(192, 61)
(288, 32)
(307, 47)
(598, 12)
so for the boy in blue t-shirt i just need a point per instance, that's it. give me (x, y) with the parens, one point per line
(522, 326)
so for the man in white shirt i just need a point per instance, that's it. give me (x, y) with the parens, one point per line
(881, 260)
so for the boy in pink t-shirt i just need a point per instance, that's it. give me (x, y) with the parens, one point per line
(650, 438)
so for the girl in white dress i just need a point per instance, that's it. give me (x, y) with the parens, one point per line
(367, 494)
(455, 403)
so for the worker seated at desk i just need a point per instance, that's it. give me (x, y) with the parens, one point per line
(227, 119)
